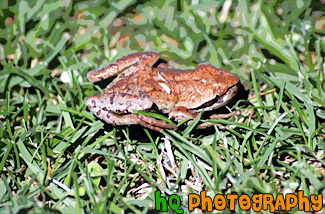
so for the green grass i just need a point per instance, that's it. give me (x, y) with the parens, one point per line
(57, 156)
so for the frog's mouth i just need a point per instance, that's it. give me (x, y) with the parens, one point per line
(220, 101)
(229, 95)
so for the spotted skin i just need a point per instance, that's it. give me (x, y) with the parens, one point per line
(138, 86)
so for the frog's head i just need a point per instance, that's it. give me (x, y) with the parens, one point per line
(120, 103)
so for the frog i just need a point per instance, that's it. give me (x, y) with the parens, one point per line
(141, 85)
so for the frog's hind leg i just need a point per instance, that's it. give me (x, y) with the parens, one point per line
(118, 120)
(133, 119)
(136, 60)
(154, 124)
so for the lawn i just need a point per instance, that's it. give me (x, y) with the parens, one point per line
(56, 156)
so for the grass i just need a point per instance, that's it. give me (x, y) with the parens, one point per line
(58, 157)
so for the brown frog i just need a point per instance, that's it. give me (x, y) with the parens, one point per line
(179, 93)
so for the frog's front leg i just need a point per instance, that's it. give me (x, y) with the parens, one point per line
(224, 116)
(219, 116)
(181, 113)
(137, 60)
(164, 66)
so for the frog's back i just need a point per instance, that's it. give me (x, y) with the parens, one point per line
(197, 86)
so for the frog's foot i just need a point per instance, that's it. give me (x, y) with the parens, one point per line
(156, 125)
(136, 59)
